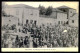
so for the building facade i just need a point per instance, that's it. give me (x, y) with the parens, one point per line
(72, 16)
(23, 12)
(60, 15)
(73, 21)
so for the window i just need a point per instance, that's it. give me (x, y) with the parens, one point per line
(67, 22)
(58, 22)
(31, 14)
(72, 21)
(71, 11)
(35, 22)
(26, 21)
(64, 10)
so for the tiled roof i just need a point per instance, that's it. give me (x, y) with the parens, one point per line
(65, 7)
(21, 6)
(57, 10)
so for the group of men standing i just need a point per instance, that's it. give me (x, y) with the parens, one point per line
(45, 36)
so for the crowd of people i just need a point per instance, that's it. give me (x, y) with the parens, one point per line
(44, 36)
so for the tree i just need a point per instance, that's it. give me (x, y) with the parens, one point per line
(49, 11)
(3, 8)
(42, 10)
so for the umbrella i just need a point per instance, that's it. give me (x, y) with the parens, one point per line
(64, 31)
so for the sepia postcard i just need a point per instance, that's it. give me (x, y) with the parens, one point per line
(39, 26)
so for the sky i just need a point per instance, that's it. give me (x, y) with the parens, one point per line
(46, 4)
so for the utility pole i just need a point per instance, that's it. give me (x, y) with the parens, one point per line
(22, 17)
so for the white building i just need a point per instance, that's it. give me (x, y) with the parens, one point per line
(72, 16)
(73, 21)
(57, 17)
(23, 12)
(61, 17)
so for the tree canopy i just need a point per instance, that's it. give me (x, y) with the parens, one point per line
(48, 11)
(42, 10)
(45, 11)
